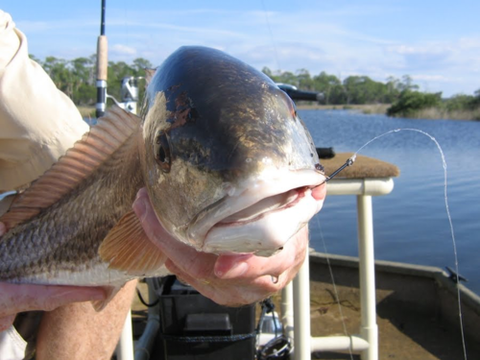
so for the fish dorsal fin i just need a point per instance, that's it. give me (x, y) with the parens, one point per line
(80, 161)
(127, 248)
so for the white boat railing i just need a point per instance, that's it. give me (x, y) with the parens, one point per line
(124, 350)
(295, 305)
(296, 296)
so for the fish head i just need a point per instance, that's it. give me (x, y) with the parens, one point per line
(228, 164)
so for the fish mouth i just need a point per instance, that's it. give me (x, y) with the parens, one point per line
(259, 216)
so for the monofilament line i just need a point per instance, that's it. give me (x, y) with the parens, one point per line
(447, 208)
(337, 298)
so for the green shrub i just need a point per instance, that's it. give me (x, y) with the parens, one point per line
(410, 102)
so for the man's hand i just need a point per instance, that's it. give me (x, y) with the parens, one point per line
(226, 279)
(15, 298)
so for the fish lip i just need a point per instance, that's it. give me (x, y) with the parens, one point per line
(252, 192)
(293, 197)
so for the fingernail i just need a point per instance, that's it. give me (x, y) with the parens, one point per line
(79, 295)
(140, 193)
(139, 207)
(236, 270)
(171, 266)
(98, 295)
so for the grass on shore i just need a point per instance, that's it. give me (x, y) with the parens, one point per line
(86, 111)
(366, 109)
(429, 113)
(438, 113)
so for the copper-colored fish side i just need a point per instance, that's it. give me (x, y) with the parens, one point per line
(224, 158)
(57, 225)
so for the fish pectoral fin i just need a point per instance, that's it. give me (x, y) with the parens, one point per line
(128, 249)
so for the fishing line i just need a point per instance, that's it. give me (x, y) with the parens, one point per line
(275, 53)
(447, 208)
(337, 298)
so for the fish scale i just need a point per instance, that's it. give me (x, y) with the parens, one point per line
(71, 230)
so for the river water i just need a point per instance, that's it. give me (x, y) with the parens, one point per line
(410, 223)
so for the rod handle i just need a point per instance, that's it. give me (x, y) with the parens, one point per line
(102, 58)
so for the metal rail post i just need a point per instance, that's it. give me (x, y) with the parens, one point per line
(368, 326)
(124, 349)
(287, 311)
(301, 310)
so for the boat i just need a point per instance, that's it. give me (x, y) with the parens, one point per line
(338, 307)
(416, 307)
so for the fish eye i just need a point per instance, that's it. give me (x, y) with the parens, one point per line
(294, 110)
(292, 107)
(162, 152)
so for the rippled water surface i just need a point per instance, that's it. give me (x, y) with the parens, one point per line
(411, 223)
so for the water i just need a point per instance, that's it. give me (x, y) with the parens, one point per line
(411, 223)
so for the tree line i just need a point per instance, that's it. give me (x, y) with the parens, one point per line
(353, 90)
(76, 78)
(403, 95)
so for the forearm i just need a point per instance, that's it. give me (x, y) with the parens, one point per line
(76, 331)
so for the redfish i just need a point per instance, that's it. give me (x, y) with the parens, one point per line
(228, 165)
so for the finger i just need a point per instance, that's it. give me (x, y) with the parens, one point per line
(232, 266)
(152, 227)
(6, 322)
(144, 212)
(16, 298)
(203, 286)
(228, 293)
(320, 192)
(226, 266)
(3, 229)
(183, 255)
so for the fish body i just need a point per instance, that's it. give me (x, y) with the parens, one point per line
(59, 245)
(228, 165)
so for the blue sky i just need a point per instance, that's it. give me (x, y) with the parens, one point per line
(437, 42)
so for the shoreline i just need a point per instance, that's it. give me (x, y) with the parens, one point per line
(368, 109)
(381, 109)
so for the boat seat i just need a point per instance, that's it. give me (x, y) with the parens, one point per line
(363, 167)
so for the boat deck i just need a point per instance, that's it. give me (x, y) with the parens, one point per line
(411, 310)
(417, 314)
(404, 333)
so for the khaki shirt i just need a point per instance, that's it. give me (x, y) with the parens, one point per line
(38, 123)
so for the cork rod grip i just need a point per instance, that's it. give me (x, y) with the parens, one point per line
(102, 58)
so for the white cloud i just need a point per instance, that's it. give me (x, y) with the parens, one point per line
(425, 77)
(368, 39)
(428, 49)
(119, 49)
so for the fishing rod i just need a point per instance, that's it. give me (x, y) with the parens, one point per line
(102, 66)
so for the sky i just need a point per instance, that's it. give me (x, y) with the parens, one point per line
(436, 43)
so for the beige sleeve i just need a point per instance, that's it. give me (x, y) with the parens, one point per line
(38, 123)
